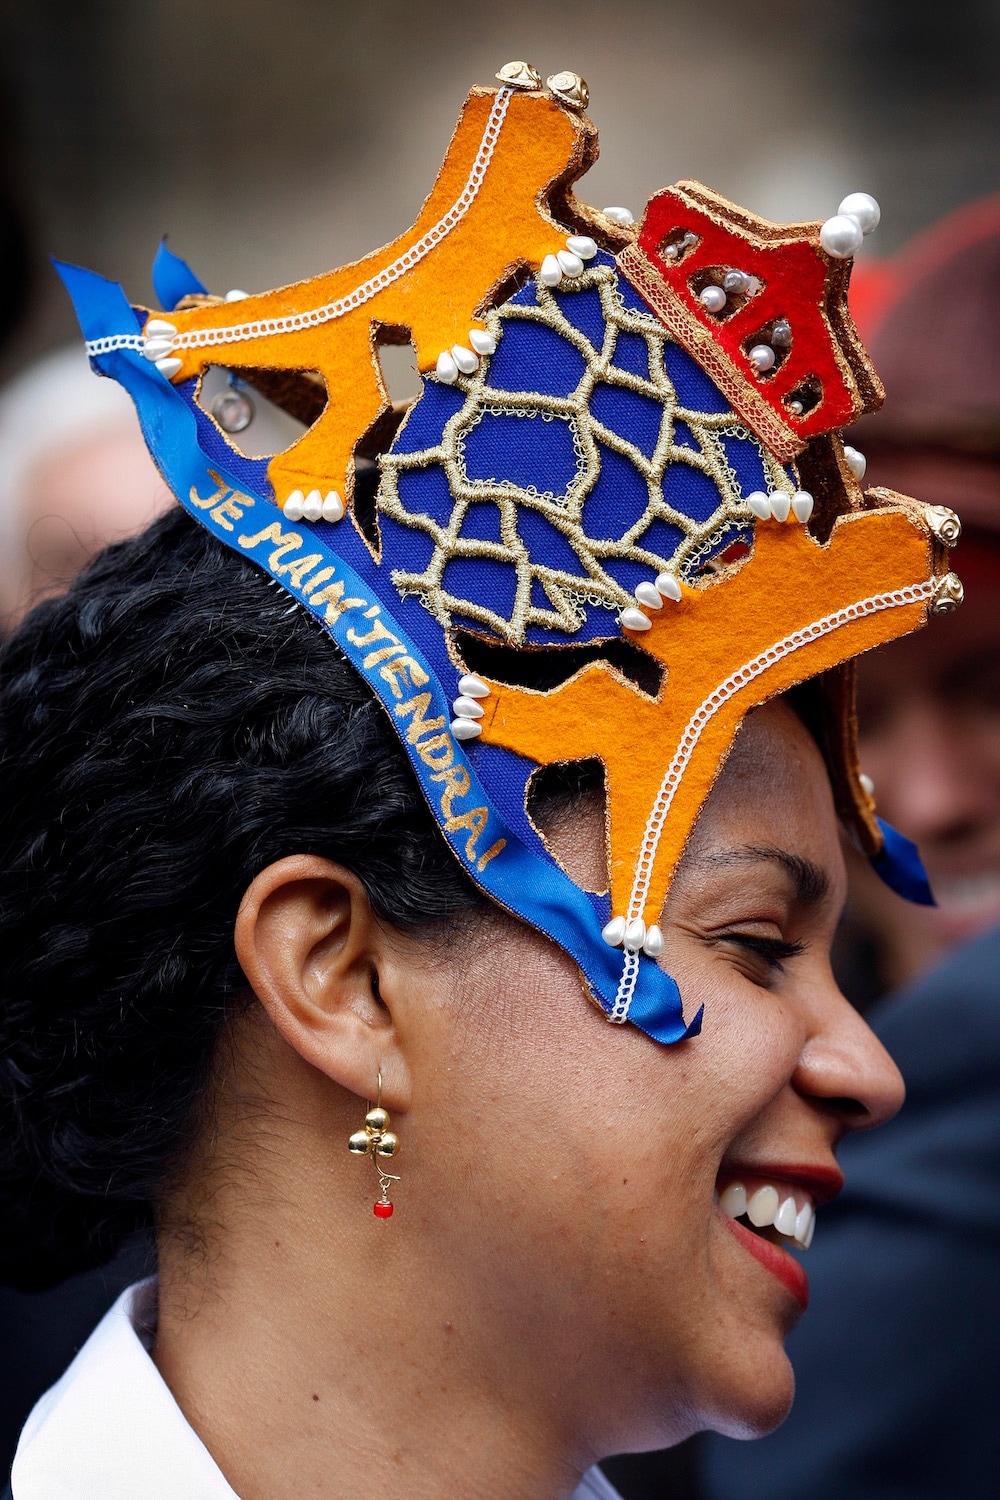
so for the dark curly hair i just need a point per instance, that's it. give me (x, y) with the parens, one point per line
(168, 728)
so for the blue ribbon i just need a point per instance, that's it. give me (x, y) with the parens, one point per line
(232, 497)
(901, 867)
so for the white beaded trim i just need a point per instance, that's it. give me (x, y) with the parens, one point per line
(914, 594)
(115, 341)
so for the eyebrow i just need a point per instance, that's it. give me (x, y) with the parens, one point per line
(810, 883)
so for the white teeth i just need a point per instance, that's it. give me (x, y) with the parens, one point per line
(766, 1207)
(734, 1200)
(763, 1206)
(784, 1219)
(805, 1219)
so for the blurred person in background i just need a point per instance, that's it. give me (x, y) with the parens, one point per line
(895, 1365)
(74, 475)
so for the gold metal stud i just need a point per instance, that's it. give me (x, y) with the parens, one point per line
(570, 88)
(377, 1120)
(947, 596)
(943, 523)
(360, 1143)
(387, 1144)
(519, 75)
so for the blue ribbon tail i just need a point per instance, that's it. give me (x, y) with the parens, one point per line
(101, 306)
(656, 1007)
(173, 278)
(901, 867)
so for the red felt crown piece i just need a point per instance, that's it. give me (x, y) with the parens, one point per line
(762, 307)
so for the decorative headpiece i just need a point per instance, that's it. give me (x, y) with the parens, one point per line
(619, 516)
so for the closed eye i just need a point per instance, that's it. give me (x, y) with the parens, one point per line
(774, 951)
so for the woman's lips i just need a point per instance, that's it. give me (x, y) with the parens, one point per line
(788, 1271)
(781, 1205)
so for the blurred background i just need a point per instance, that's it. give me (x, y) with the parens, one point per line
(275, 139)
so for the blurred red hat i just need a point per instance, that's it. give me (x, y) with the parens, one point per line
(931, 319)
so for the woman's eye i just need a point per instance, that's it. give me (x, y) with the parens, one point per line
(761, 958)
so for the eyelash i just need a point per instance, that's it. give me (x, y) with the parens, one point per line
(773, 950)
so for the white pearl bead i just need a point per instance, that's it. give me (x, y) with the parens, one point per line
(467, 708)
(582, 245)
(781, 504)
(619, 215)
(571, 265)
(292, 508)
(856, 462)
(867, 784)
(649, 595)
(668, 586)
(613, 932)
(159, 326)
(841, 237)
(236, 295)
(550, 271)
(312, 509)
(635, 934)
(802, 505)
(653, 946)
(466, 729)
(713, 298)
(155, 349)
(446, 368)
(760, 505)
(634, 619)
(482, 342)
(795, 407)
(168, 367)
(472, 687)
(464, 358)
(781, 334)
(333, 507)
(864, 208)
(735, 282)
(762, 357)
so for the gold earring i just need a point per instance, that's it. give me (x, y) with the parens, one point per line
(377, 1140)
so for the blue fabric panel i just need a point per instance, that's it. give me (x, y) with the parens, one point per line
(583, 309)
(745, 457)
(901, 867)
(690, 491)
(684, 438)
(425, 421)
(525, 451)
(632, 416)
(539, 598)
(618, 499)
(546, 543)
(173, 278)
(632, 354)
(626, 572)
(694, 388)
(484, 581)
(482, 521)
(425, 492)
(531, 357)
(662, 538)
(407, 547)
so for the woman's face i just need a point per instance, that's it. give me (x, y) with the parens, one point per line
(579, 1166)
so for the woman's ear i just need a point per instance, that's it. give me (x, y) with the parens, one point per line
(309, 945)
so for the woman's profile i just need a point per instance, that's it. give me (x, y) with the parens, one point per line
(338, 826)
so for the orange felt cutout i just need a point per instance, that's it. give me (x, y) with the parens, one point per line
(825, 368)
(789, 583)
(493, 192)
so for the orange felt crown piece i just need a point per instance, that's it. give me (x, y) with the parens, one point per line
(726, 282)
(488, 217)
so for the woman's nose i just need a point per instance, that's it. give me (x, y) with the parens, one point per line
(845, 1067)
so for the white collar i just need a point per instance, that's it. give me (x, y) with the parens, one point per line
(111, 1430)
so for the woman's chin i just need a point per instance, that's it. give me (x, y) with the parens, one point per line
(758, 1400)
